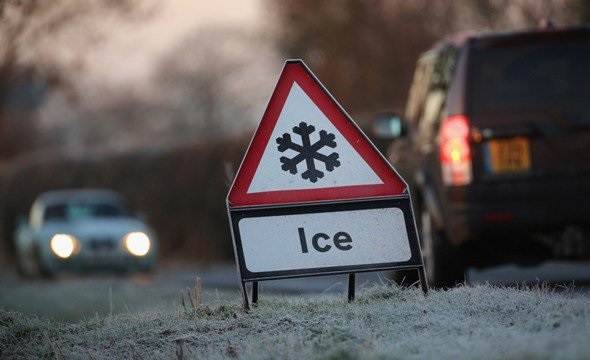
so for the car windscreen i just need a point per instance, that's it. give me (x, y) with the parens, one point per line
(540, 72)
(75, 211)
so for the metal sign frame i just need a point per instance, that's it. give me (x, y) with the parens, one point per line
(402, 201)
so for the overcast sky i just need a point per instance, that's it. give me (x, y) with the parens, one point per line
(126, 62)
(132, 50)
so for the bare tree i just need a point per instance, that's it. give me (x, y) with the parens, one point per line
(28, 62)
(365, 50)
(216, 82)
(360, 49)
(213, 83)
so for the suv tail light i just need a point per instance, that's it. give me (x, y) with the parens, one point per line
(455, 152)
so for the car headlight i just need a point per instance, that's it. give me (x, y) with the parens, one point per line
(137, 243)
(63, 245)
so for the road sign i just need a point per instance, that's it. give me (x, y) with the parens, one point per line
(313, 196)
(307, 149)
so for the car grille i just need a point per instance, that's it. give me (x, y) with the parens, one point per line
(102, 245)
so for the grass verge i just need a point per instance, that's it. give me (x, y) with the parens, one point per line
(384, 322)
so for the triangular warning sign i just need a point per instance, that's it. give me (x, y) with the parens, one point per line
(307, 149)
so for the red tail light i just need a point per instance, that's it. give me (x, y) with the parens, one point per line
(455, 151)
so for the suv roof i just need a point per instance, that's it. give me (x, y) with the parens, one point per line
(459, 39)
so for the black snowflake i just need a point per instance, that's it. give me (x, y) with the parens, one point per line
(308, 152)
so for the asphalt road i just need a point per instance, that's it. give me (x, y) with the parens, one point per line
(225, 277)
(75, 297)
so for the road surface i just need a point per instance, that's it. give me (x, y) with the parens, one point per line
(552, 273)
(76, 297)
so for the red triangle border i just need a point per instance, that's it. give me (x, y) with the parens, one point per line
(296, 71)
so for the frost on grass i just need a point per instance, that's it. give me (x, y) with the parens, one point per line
(385, 322)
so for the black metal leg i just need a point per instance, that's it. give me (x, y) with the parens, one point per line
(245, 296)
(423, 281)
(351, 285)
(254, 292)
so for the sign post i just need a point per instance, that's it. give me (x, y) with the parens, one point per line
(314, 197)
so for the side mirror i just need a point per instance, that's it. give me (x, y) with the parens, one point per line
(388, 126)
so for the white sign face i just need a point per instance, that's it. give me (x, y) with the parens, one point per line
(306, 151)
(317, 240)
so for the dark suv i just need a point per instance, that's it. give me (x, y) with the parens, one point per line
(495, 144)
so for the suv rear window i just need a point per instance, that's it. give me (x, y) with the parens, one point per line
(545, 71)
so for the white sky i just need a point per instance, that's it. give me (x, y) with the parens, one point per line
(133, 49)
(128, 52)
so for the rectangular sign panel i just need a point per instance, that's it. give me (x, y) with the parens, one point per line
(325, 238)
(316, 240)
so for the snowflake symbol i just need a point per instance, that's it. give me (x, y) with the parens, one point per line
(308, 152)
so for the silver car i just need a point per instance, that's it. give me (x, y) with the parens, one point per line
(76, 230)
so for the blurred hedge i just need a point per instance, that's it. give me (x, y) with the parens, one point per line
(181, 192)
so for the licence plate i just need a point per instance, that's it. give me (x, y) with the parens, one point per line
(508, 155)
(101, 259)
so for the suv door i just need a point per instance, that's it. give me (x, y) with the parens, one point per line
(416, 157)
